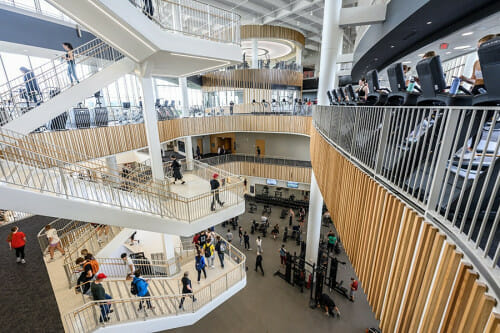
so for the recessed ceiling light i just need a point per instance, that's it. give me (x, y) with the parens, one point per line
(311, 13)
(430, 22)
(407, 62)
(467, 33)
(421, 54)
(448, 52)
(463, 47)
(392, 46)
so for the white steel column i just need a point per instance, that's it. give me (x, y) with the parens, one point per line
(298, 55)
(331, 46)
(255, 53)
(151, 124)
(314, 221)
(170, 243)
(188, 142)
(112, 165)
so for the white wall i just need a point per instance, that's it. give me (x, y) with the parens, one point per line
(279, 145)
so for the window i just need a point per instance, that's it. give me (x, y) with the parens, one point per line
(454, 68)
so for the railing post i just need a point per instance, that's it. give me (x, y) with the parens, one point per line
(442, 159)
(382, 143)
(63, 180)
(209, 23)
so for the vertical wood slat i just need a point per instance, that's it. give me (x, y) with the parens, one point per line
(493, 325)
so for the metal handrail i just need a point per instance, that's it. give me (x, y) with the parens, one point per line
(86, 317)
(25, 92)
(443, 160)
(194, 18)
(57, 175)
(267, 159)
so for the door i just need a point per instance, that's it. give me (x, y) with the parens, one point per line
(262, 146)
(200, 144)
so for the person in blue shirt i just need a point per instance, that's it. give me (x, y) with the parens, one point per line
(32, 88)
(142, 289)
(200, 266)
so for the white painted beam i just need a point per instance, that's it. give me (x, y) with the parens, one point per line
(363, 15)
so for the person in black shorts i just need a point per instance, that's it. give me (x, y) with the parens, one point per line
(327, 303)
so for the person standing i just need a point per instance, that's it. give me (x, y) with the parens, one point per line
(142, 289)
(291, 216)
(99, 294)
(331, 241)
(240, 235)
(209, 250)
(148, 9)
(54, 241)
(129, 263)
(258, 262)
(198, 152)
(70, 60)
(200, 266)
(17, 241)
(246, 238)
(220, 247)
(258, 241)
(32, 88)
(176, 167)
(214, 185)
(186, 289)
(354, 287)
(283, 255)
(229, 236)
(258, 151)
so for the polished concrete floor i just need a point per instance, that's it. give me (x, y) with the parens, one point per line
(269, 304)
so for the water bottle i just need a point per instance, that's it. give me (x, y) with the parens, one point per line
(454, 85)
(411, 85)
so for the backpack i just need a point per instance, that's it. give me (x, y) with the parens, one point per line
(94, 265)
(133, 289)
(222, 247)
(200, 263)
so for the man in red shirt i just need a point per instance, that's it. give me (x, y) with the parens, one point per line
(17, 240)
(354, 287)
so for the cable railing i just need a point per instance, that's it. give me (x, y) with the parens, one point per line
(88, 317)
(444, 160)
(24, 93)
(193, 18)
(36, 165)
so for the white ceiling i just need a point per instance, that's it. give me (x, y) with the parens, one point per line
(271, 49)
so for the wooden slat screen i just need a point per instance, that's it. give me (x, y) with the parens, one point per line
(413, 277)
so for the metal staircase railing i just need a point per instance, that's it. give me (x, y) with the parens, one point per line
(24, 93)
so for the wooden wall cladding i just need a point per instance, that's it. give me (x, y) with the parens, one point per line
(413, 277)
(281, 172)
(105, 141)
(270, 32)
(250, 79)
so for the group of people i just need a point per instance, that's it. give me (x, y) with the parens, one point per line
(207, 244)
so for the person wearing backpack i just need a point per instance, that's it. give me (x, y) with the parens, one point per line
(85, 276)
(220, 247)
(200, 266)
(209, 250)
(186, 289)
(140, 287)
(93, 263)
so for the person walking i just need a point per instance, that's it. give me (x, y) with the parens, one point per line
(258, 241)
(148, 9)
(258, 262)
(176, 167)
(70, 60)
(220, 247)
(282, 251)
(54, 241)
(32, 88)
(214, 186)
(229, 236)
(332, 239)
(240, 235)
(187, 288)
(258, 151)
(128, 263)
(142, 287)
(291, 216)
(354, 287)
(198, 153)
(246, 238)
(99, 294)
(200, 266)
(209, 250)
(17, 241)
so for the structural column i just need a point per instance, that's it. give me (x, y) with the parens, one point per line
(298, 56)
(112, 166)
(151, 125)
(331, 45)
(314, 221)
(170, 243)
(255, 53)
(188, 142)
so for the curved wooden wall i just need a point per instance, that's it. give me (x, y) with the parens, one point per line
(105, 141)
(413, 277)
(251, 79)
(263, 170)
(270, 32)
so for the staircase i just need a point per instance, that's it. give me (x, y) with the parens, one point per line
(32, 99)
(42, 179)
